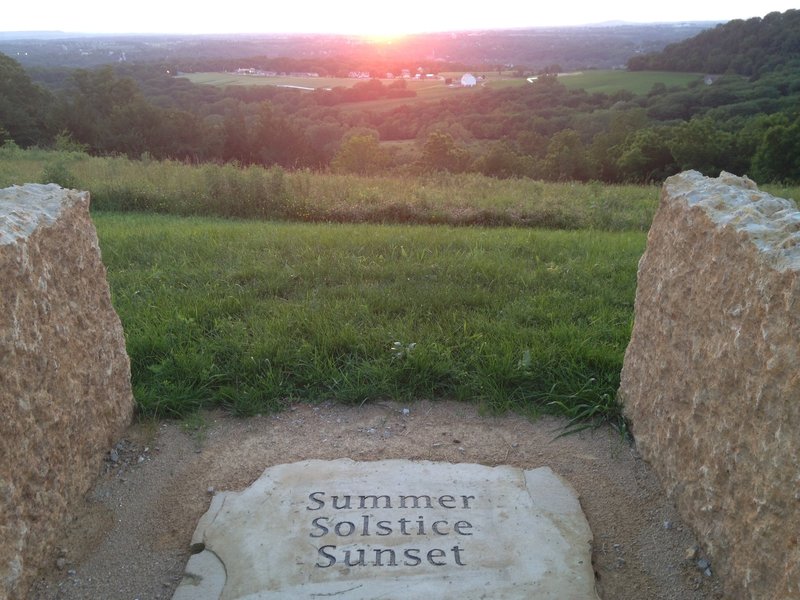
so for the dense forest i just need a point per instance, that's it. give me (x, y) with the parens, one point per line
(752, 48)
(743, 121)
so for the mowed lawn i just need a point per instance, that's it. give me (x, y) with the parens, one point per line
(250, 315)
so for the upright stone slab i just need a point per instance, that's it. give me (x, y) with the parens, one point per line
(393, 529)
(711, 378)
(65, 388)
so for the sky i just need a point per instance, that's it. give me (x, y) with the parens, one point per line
(371, 18)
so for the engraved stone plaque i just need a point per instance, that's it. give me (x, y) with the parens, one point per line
(393, 529)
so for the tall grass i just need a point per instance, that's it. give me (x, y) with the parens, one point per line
(121, 184)
(250, 315)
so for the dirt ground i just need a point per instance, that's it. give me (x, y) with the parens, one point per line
(131, 538)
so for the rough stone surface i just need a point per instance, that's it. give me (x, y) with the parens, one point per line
(393, 529)
(711, 380)
(65, 388)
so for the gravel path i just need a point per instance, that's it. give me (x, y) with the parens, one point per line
(131, 538)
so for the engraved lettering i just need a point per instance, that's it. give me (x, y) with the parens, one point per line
(361, 561)
(403, 522)
(412, 554)
(444, 501)
(436, 553)
(330, 557)
(362, 501)
(345, 504)
(462, 525)
(379, 553)
(420, 525)
(318, 524)
(365, 525)
(416, 500)
(313, 498)
(344, 526)
(383, 529)
(435, 528)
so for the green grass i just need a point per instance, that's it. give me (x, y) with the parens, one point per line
(638, 82)
(250, 315)
(121, 184)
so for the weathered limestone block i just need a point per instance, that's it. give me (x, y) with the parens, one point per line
(711, 378)
(65, 390)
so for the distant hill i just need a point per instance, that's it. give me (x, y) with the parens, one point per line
(571, 48)
(750, 48)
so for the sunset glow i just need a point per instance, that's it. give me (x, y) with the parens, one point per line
(353, 16)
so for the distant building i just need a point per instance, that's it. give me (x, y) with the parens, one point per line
(468, 80)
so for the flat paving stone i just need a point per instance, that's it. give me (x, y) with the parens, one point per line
(393, 529)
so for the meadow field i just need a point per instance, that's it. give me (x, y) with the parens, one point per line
(513, 294)
(121, 184)
(638, 82)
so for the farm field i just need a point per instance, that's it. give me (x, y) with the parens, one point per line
(600, 81)
(223, 79)
(638, 82)
(426, 89)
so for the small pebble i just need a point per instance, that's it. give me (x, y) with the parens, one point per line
(707, 572)
(113, 455)
(703, 564)
(406, 412)
(61, 563)
(210, 490)
(668, 525)
(72, 572)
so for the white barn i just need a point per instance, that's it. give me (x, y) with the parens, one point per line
(468, 80)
